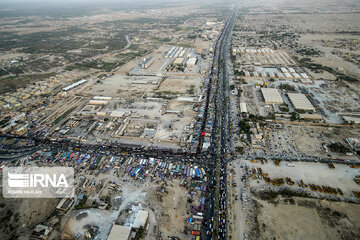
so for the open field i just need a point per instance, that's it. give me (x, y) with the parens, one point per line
(181, 84)
(313, 173)
(266, 210)
(311, 140)
(314, 219)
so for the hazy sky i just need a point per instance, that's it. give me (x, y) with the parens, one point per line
(100, 1)
(20, 3)
(16, 8)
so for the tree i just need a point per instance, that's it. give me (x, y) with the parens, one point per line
(293, 116)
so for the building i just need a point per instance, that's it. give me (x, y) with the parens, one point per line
(179, 61)
(304, 75)
(41, 232)
(140, 219)
(271, 96)
(185, 99)
(297, 76)
(102, 98)
(306, 81)
(147, 62)
(243, 108)
(117, 114)
(301, 102)
(119, 233)
(284, 70)
(74, 85)
(287, 75)
(310, 116)
(98, 102)
(20, 131)
(101, 114)
(354, 143)
(149, 133)
(65, 204)
(353, 119)
(191, 62)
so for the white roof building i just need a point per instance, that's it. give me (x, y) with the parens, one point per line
(117, 114)
(179, 61)
(300, 101)
(191, 62)
(98, 102)
(102, 98)
(119, 232)
(74, 85)
(287, 75)
(243, 108)
(140, 219)
(297, 76)
(304, 75)
(271, 96)
(185, 99)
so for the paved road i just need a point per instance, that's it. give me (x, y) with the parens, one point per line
(216, 227)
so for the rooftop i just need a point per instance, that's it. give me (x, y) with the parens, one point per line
(119, 232)
(271, 96)
(140, 219)
(300, 101)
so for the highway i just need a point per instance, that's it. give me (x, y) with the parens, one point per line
(216, 227)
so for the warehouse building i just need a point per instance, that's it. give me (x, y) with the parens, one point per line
(354, 143)
(140, 219)
(119, 233)
(117, 114)
(297, 76)
(147, 62)
(74, 85)
(243, 108)
(98, 102)
(287, 75)
(102, 98)
(304, 75)
(310, 116)
(191, 62)
(301, 102)
(179, 61)
(271, 96)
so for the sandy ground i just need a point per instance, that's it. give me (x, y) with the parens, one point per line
(24, 214)
(123, 86)
(267, 215)
(329, 220)
(175, 85)
(313, 173)
(170, 208)
(167, 209)
(329, 59)
(310, 140)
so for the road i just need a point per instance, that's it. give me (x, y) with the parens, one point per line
(128, 42)
(216, 227)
